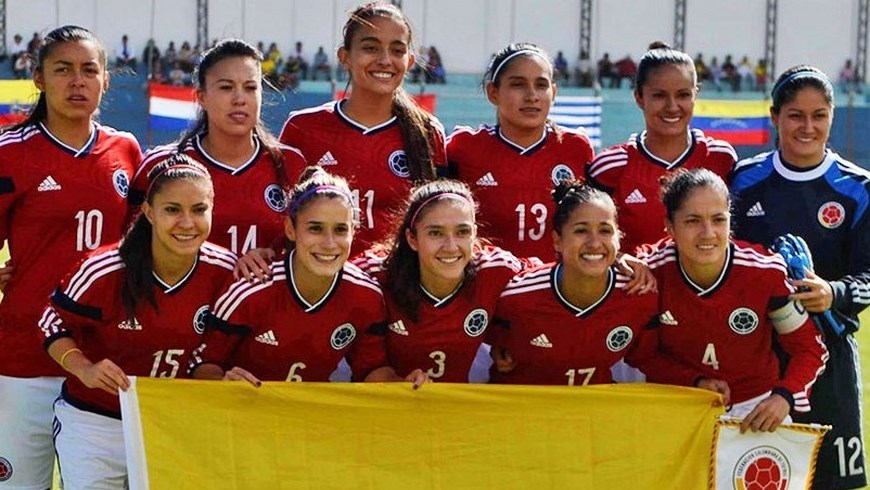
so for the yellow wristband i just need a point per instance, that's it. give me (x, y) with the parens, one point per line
(66, 354)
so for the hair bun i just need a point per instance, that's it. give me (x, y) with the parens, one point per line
(659, 45)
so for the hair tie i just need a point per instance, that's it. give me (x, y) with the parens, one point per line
(168, 165)
(521, 52)
(445, 195)
(800, 74)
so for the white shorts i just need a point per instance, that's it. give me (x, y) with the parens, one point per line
(744, 408)
(26, 445)
(90, 449)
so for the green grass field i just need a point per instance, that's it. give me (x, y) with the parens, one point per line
(863, 343)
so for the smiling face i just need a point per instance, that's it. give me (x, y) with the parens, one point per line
(588, 240)
(378, 57)
(667, 100)
(701, 228)
(180, 213)
(322, 235)
(523, 93)
(443, 237)
(73, 78)
(232, 96)
(804, 125)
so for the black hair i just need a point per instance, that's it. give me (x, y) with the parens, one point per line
(677, 186)
(570, 194)
(403, 263)
(224, 49)
(418, 127)
(135, 249)
(64, 34)
(661, 54)
(794, 80)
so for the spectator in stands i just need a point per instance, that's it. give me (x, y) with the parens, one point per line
(434, 66)
(560, 68)
(715, 73)
(606, 70)
(33, 45)
(21, 68)
(746, 75)
(299, 61)
(124, 55)
(848, 78)
(761, 75)
(272, 62)
(151, 58)
(583, 72)
(170, 54)
(177, 75)
(624, 68)
(701, 68)
(729, 73)
(185, 57)
(321, 64)
(18, 47)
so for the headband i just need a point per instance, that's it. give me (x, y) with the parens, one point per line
(445, 195)
(800, 74)
(297, 202)
(530, 52)
(168, 165)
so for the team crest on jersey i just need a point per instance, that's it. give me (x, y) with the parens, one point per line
(398, 163)
(275, 198)
(561, 173)
(121, 182)
(5, 469)
(475, 323)
(619, 338)
(199, 319)
(831, 214)
(342, 336)
(762, 467)
(743, 321)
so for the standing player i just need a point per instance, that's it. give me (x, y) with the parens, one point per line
(441, 284)
(513, 166)
(804, 189)
(63, 192)
(378, 139)
(570, 322)
(135, 308)
(315, 311)
(665, 90)
(250, 169)
(723, 303)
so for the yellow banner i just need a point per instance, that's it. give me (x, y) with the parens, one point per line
(732, 108)
(200, 434)
(18, 92)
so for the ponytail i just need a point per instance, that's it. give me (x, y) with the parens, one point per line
(135, 252)
(418, 133)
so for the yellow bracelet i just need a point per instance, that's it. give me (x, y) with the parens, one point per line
(66, 354)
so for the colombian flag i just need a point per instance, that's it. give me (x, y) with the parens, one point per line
(16, 97)
(170, 108)
(739, 122)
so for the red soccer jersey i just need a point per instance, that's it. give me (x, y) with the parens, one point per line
(726, 331)
(513, 184)
(250, 202)
(630, 174)
(557, 343)
(271, 331)
(87, 306)
(371, 159)
(445, 339)
(56, 203)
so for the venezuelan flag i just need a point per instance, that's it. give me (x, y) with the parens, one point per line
(169, 107)
(16, 97)
(739, 122)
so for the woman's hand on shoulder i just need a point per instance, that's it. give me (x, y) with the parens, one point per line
(254, 265)
(642, 279)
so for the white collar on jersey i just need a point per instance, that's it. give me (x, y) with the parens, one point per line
(702, 291)
(365, 129)
(308, 306)
(75, 151)
(524, 149)
(217, 163)
(438, 302)
(641, 138)
(557, 274)
(170, 288)
(815, 173)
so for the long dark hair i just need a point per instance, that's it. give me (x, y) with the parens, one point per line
(135, 250)
(661, 54)
(64, 34)
(316, 182)
(418, 127)
(233, 48)
(571, 194)
(677, 186)
(403, 263)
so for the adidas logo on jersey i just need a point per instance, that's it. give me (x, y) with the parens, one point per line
(755, 211)
(635, 197)
(49, 184)
(127, 325)
(399, 328)
(267, 338)
(541, 341)
(667, 318)
(327, 159)
(487, 180)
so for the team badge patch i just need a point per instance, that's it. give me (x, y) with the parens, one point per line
(619, 338)
(398, 164)
(342, 336)
(831, 215)
(762, 467)
(743, 321)
(476, 322)
(275, 198)
(199, 319)
(5, 469)
(561, 173)
(121, 182)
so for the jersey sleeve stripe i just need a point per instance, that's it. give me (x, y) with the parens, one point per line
(362, 282)
(526, 288)
(87, 275)
(229, 301)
